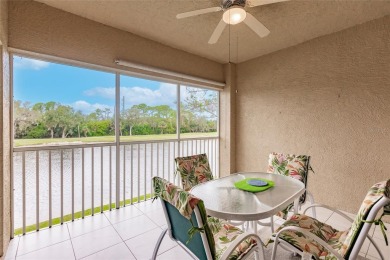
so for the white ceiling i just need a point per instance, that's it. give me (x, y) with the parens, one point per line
(290, 23)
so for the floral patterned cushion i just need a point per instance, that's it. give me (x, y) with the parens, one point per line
(224, 234)
(180, 199)
(341, 241)
(300, 241)
(193, 170)
(295, 166)
(374, 195)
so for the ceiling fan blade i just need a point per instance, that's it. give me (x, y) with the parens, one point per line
(256, 26)
(198, 12)
(253, 3)
(217, 32)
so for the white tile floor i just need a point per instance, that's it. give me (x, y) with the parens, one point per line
(131, 233)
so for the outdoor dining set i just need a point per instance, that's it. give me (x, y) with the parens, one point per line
(218, 218)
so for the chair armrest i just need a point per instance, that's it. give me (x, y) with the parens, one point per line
(330, 208)
(238, 241)
(309, 235)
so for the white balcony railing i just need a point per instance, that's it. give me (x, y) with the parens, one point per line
(55, 184)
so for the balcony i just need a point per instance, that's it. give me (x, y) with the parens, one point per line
(316, 84)
(55, 184)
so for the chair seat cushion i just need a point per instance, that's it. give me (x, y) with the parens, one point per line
(331, 236)
(224, 234)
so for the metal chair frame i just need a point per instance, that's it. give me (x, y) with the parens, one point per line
(258, 249)
(363, 234)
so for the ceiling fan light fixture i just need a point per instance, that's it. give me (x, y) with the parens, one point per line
(234, 15)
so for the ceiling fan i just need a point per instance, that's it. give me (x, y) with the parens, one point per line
(234, 13)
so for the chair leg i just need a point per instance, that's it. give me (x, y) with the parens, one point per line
(311, 198)
(272, 224)
(376, 247)
(260, 255)
(158, 243)
(274, 250)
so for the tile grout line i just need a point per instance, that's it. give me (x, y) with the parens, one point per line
(123, 241)
(130, 250)
(17, 248)
(86, 232)
(70, 238)
(158, 227)
(99, 251)
(36, 232)
(71, 243)
(153, 221)
(125, 219)
(44, 247)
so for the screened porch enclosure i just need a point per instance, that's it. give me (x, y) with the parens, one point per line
(98, 150)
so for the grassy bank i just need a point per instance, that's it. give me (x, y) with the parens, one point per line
(98, 139)
(77, 215)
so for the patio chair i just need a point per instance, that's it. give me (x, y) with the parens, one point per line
(193, 170)
(295, 166)
(196, 169)
(201, 236)
(313, 239)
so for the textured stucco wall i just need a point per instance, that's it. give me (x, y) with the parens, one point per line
(226, 123)
(43, 29)
(328, 98)
(5, 171)
(5, 156)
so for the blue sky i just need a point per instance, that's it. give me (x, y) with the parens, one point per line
(83, 89)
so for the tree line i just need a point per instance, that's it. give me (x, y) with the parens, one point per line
(198, 113)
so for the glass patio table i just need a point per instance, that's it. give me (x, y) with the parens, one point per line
(223, 200)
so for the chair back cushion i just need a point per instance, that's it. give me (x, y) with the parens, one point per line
(193, 170)
(180, 207)
(295, 166)
(373, 196)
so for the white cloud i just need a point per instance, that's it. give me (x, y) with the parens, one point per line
(87, 108)
(25, 63)
(164, 95)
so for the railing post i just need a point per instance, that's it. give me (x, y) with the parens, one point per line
(101, 179)
(124, 175)
(82, 183)
(117, 140)
(131, 174)
(145, 171)
(72, 161)
(62, 184)
(24, 190)
(110, 184)
(92, 181)
(37, 188)
(50, 191)
(178, 122)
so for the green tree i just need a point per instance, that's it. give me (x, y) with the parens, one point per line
(132, 117)
(201, 101)
(49, 117)
(24, 117)
(65, 118)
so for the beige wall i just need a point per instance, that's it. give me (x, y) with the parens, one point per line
(5, 188)
(43, 29)
(226, 121)
(328, 98)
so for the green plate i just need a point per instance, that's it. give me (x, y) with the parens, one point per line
(243, 185)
